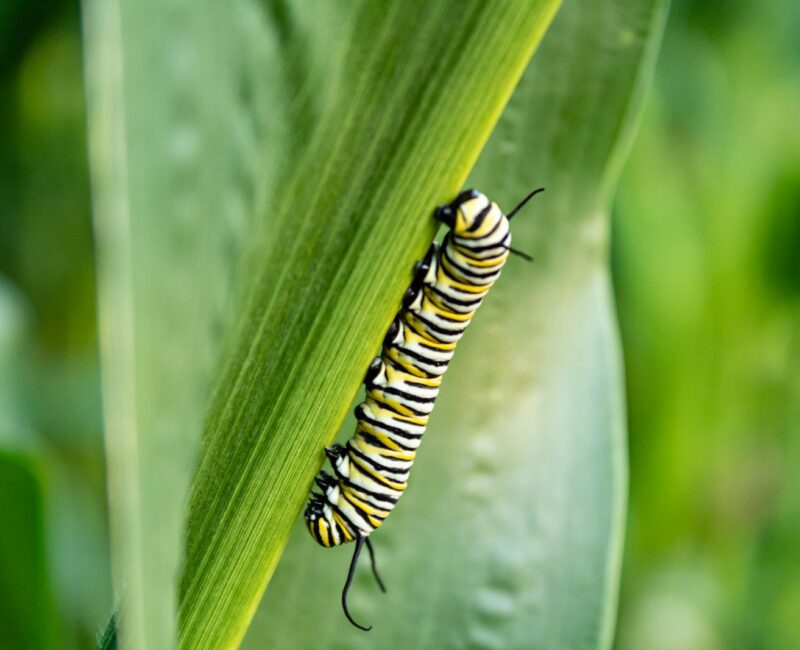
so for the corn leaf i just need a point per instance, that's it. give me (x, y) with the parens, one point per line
(27, 617)
(264, 174)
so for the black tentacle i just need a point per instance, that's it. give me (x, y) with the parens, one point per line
(518, 207)
(374, 565)
(359, 545)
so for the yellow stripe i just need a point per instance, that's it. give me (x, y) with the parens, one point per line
(371, 450)
(323, 533)
(385, 414)
(376, 475)
(489, 222)
(381, 398)
(344, 526)
(394, 375)
(455, 271)
(437, 300)
(393, 446)
(371, 520)
(460, 286)
(446, 314)
(413, 337)
(405, 362)
(412, 321)
(356, 500)
(485, 263)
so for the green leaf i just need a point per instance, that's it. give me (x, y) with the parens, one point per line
(416, 90)
(178, 170)
(511, 532)
(27, 618)
(27, 615)
(263, 174)
(14, 322)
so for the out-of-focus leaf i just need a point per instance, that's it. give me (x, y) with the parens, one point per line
(27, 619)
(706, 270)
(287, 153)
(511, 533)
(14, 424)
(175, 144)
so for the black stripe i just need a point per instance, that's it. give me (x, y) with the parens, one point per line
(407, 378)
(450, 275)
(467, 271)
(455, 301)
(363, 417)
(486, 236)
(465, 251)
(383, 398)
(376, 465)
(437, 328)
(448, 305)
(420, 357)
(410, 382)
(419, 384)
(500, 246)
(413, 327)
(364, 514)
(444, 316)
(372, 495)
(353, 527)
(411, 398)
(375, 499)
(494, 260)
(357, 463)
(482, 249)
(409, 366)
(480, 218)
(366, 435)
(434, 348)
(332, 523)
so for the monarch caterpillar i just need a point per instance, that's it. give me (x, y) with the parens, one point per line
(403, 382)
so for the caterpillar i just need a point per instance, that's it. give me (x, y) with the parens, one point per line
(371, 470)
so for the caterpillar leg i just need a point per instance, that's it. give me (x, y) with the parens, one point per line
(413, 294)
(374, 566)
(422, 267)
(359, 545)
(337, 454)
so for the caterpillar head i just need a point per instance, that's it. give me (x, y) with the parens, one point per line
(318, 521)
(315, 508)
(461, 214)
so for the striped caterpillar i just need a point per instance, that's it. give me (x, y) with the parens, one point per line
(371, 470)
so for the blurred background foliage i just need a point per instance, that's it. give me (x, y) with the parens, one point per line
(707, 273)
(53, 537)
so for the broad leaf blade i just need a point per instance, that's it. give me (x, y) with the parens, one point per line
(243, 157)
(510, 534)
(174, 155)
(411, 93)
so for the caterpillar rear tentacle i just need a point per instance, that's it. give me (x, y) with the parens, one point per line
(371, 470)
